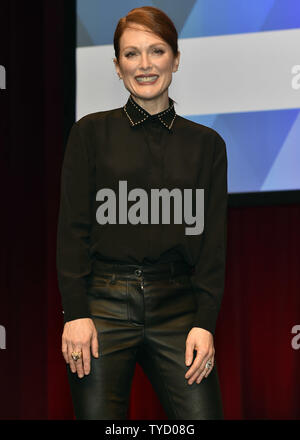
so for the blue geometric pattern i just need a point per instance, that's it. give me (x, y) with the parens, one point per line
(263, 146)
(254, 140)
(97, 19)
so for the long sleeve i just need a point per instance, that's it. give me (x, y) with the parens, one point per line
(208, 279)
(74, 223)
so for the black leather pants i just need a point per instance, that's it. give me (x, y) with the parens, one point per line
(142, 314)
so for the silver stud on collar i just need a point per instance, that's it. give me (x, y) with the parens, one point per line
(131, 121)
(146, 115)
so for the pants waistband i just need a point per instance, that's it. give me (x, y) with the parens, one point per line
(154, 270)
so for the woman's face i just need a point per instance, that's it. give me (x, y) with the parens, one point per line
(144, 53)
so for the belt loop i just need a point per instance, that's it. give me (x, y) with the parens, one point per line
(172, 269)
(113, 279)
(172, 272)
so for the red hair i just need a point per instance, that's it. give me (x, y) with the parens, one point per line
(152, 18)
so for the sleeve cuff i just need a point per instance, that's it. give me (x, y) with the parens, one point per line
(76, 310)
(206, 318)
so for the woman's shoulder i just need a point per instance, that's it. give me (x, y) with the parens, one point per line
(102, 116)
(196, 128)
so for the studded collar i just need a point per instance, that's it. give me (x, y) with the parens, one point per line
(137, 115)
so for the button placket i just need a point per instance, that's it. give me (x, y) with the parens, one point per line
(139, 273)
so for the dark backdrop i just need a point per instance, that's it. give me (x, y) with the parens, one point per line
(259, 369)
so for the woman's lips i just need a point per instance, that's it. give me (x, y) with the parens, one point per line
(147, 82)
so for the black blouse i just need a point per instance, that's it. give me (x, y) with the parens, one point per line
(128, 145)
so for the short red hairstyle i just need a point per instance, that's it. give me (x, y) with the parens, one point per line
(152, 18)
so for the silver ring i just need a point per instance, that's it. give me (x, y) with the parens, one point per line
(208, 364)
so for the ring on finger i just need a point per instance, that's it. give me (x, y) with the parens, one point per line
(209, 364)
(208, 369)
(76, 355)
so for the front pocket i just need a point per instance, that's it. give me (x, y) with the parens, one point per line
(183, 280)
(98, 280)
(106, 299)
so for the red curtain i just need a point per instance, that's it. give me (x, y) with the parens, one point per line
(258, 367)
(257, 364)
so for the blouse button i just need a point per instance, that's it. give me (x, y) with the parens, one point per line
(138, 272)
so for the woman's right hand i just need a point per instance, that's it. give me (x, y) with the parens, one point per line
(80, 335)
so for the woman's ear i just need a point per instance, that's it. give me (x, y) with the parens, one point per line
(176, 62)
(117, 67)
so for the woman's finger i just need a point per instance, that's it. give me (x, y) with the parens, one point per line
(208, 370)
(86, 359)
(203, 370)
(195, 365)
(64, 349)
(72, 363)
(193, 377)
(79, 363)
(95, 344)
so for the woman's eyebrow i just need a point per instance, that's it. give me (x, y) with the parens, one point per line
(134, 47)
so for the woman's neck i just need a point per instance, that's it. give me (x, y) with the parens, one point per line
(155, 105)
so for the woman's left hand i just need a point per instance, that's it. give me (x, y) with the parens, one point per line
(202, 341)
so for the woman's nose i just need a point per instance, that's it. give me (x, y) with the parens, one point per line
(145, 62)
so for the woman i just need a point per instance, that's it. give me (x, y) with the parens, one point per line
(135, 286)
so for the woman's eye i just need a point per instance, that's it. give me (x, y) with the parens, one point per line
(158, 51)
(130, 54)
